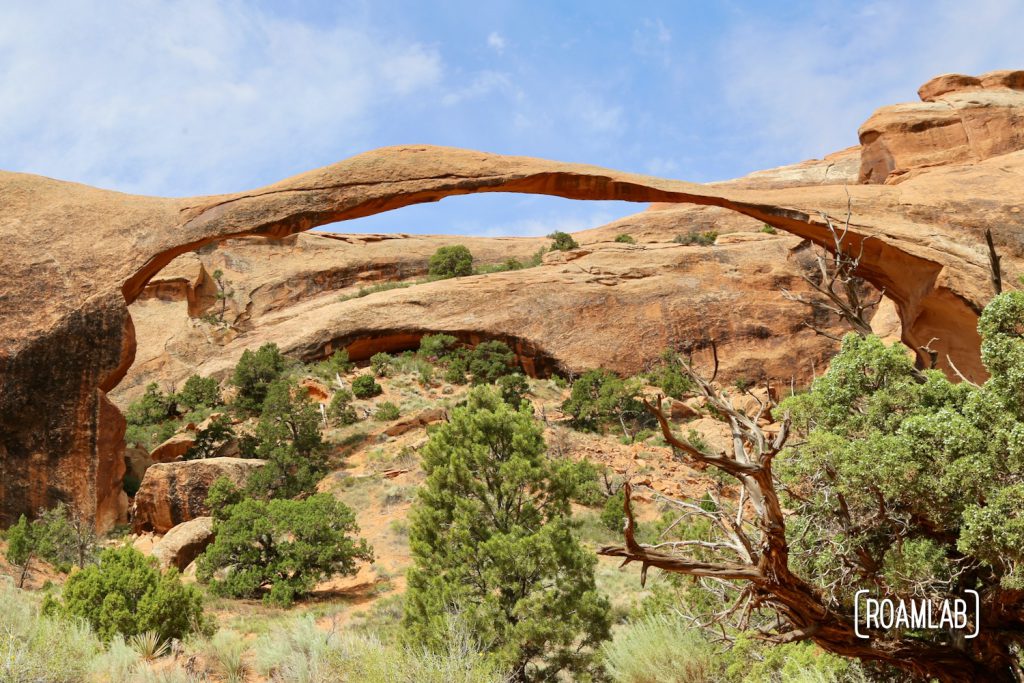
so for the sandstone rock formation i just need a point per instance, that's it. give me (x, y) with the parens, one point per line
(175, 492)
(173, 448)
(960, 119)
(184, 543)
(66, 337)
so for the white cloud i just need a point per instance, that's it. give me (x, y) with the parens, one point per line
(597, 115)
(193, 96)
(496, 42)
(483, 84)
(803, 88)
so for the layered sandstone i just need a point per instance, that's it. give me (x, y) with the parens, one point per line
(66, 337)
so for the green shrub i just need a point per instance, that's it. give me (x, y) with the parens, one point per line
(37, 647)
(152, 408)
(199, 391)
(337, 364)
(514, 388)
(288, 438)
(437, 347)
(599, 397)
(670, 376)
(126, 593)
(767, 229)
(59, 536)
(613, 515)
(451, 261)
(254, 374)
(490, 360)
(340, 410)
(365, 386)
(562, 241)
(625, 239)
(280, 549)
(515, 572)
(386, 412)
(661, 648)
(209, 440)
(381, 364)
(704, 239)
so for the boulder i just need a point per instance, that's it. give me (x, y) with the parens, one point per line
(136, 461)
(184, 543)
(421, 419)
(173, 448)
(175, 492)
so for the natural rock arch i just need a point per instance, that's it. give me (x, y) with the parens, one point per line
(76, 256)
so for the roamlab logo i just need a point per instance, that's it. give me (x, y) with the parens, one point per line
(882, 614)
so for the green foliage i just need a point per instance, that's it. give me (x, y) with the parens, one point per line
(37, 647)
(514, 388)
(210, 439)
(492, 539)
(152, 408)
(199, 391)
(126, 593)
(336, 365)
(929, 471)
(662, 648)
(301, 652)
(280, 548)
(22, 546)
(450, 261)
(365, 386)
(438, 347)
(381, 364)
(613, 515)
(340, 410)
(386, 412)
(670, 376)
(768, 230)
(562, 241)
(625, 239)
(703, 239)
(600, 397)
(490, 360)
(254, 374)
(288, 438)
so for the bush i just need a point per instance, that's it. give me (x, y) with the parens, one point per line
(625, 239)
(452, 261)
(769, 230)
(514, 389)
(386, 412)
(599, 397)
(340, 410)
(59, 536)
(490, 360)
(515, 572)
(127, 594)
(280, 548)
(437, 347)
(152, 408)
(209, 441)
(330, 368)
(704, 239)
(381, 364)
(254, 374)
(562, 241)
(670, 377)
(613, 515)
(365, 386)
(38, 647)
(661, 648)
(199, 391)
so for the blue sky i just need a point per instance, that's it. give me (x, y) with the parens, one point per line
(210, 96)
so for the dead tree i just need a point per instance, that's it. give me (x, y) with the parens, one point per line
(750, 546)
(841, 290)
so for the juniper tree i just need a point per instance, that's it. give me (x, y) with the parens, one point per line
(492, 538)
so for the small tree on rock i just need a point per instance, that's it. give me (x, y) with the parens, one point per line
(452, 261)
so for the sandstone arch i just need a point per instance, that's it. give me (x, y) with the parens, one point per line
(75, 256)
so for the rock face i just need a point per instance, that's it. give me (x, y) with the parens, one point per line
(67, 339)
(173, 448)
(960, 119)
(175, 492)
(184, 543)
